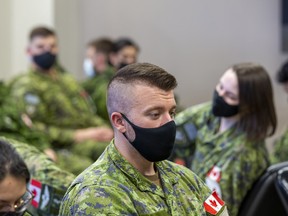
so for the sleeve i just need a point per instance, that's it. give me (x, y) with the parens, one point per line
(30, 102)
(96, 200)
(280, 153)
(58, 136)
(188, 122)
(239, 174)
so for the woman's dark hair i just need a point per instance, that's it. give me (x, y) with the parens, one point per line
(11, 163)
(257, 112)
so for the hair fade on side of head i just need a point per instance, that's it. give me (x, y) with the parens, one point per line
(146, 73)
(257, 112)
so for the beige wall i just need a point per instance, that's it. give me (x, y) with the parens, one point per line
(196, 40)
(19, 17)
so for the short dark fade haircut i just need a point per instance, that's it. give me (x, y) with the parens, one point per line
(137, 73)
(41, 31)
(103, 45)
(256, 108)
(282, 74)
(124, 42)
(11, 163)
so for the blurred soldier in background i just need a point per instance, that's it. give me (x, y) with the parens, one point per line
(58, 106)
(125, 52)
(99, 72)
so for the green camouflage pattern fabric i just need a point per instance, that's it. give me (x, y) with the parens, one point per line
(45, 171)
(56, 104)
(97, 89)
(12, 125)
(112, 186)
(240, 161)
(280, 153)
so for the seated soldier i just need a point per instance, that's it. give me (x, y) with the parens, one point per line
(57, 104)
(48, 182)
(14, 175)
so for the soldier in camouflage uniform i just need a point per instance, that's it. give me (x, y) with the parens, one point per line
(223, 141)
(57, 105)
(99, 72)
(280, 152)
(14, 177)
(52, 182)
(132, 176)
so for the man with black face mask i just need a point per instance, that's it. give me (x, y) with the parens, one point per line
(223, 141)
(125, 52)
(132, 176)
(58, 106)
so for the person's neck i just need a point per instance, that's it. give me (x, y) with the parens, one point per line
(50, 72)
(144, 166)
(227, 122)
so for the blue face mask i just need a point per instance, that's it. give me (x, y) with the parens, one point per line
(88, 68)
(154, 144)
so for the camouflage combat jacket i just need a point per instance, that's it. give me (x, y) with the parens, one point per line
(52, 182)
(12, 125)
(56, 103)
(112, 186)
(280, 153)
(227, 161)
(97, 88)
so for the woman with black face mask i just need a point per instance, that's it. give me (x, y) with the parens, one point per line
(223, 141)
(14, 177)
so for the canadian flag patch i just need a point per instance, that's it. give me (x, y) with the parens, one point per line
(214, 174)
(213, 178)
(213, 204)
(35, 187)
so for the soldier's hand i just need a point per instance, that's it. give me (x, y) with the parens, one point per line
(101, 134)
(51, 154)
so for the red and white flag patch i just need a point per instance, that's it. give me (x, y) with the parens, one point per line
(214, 174)
(213, 204)
(35, 187)
(213, 178)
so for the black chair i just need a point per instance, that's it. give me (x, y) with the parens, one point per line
(269, 194)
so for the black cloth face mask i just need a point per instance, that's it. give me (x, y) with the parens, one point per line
(222, 109)
(45, 60)
(121, 65)
(154, 144)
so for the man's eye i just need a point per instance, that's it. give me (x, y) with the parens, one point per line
(173, 114)
(154, 115)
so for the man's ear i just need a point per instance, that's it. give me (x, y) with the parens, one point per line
(118, 122)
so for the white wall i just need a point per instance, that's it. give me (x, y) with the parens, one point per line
(5, 40)
(67, 24)
(24, 16)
